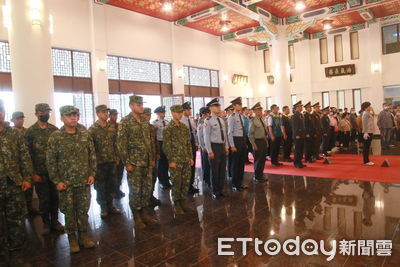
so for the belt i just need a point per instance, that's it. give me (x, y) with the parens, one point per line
(217, 143)
(260, 139)
(238, 137)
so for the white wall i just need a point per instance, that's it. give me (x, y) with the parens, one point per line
(104, 29)
(121, 32)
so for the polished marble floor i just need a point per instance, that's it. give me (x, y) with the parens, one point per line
(285, 207)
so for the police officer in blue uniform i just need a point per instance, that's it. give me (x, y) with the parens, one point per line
(162, 162)
(205, 164)
(237, 142)
(189, 122)
(216, 142)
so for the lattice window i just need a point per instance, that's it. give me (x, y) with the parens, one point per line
(186, 75)
(199, 77)
(5, 61)
(139, 70)
(165, 73)
(112, 69)
(170, 101)
(214, 78)
(81, 61)
(62, 62)
(115, 102)
(85, 104)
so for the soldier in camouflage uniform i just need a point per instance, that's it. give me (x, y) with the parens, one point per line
(136, 149)
(177, 147)
(105, 142)
(18, 119)
(118, 194)
(37, 136)
(71, 162)
(15, 178)
(147, 115)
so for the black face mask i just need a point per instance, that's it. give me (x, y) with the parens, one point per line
(44, 118)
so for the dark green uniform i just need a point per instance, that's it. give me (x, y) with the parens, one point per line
(316, 117)
(136, 148)
(105, 143)
(178, 149)
(15, 167)
(37, 138)
(71, 159)
(298, 137)
(309, 136)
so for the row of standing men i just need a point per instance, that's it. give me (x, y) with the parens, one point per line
(68, 160)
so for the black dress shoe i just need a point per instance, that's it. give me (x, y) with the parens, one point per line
(166, 186)
(310, 161)
(319, 158)
(237, 189)
(298, 166)
(262, 180)
(303, 166)
(216, 196)
(276, 164)
(193, 190)
(287, 160)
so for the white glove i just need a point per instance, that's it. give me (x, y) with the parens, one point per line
(366, 136)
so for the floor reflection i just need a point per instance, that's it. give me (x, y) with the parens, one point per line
(286, 206)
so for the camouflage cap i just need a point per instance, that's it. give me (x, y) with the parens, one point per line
(176, 108)
(135, 99)
(17, 115)
(1, 105)
(113, 112)
(100, 108)
(42, 107)
(147, 111)
(78, 111)
(257, 106)
(68, 110)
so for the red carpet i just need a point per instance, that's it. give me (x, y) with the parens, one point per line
(342, 167)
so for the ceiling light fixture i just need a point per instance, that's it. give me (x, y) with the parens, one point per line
(327, 24)
(225, 25)
(168, 5)
(300, 6)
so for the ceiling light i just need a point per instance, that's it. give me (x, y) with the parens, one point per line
(224, 16)
(168, 5)
(225, 25)
(300, 6)
(327, 24)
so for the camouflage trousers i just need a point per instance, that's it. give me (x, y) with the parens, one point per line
(104, 183)
(119, 175)
(12, 215)
(28, 197)
(48, 199)
(75, 203)
(180, 178)
(140, 183)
